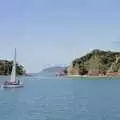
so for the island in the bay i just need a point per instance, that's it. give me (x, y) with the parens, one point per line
(53, 69)
(6, 68)
(96, 63)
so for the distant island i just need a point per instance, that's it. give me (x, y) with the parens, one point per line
(6, 68)
(96, 63)
(53, 69)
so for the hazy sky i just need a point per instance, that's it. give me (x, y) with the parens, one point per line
(54, 32)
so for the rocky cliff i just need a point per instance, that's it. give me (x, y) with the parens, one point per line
(97, 62)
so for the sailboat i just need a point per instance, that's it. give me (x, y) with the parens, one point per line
(13, 83)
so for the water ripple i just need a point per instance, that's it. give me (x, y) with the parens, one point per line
(51, 99)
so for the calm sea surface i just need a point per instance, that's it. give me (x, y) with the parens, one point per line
(51, 98)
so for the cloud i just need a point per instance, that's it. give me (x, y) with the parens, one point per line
(116, 42)
(116, 45)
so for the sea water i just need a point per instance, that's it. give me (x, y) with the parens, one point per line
(61, 98)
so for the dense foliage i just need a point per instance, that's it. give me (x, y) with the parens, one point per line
(6, 68)
(97, 61)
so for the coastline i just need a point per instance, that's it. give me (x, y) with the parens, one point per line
(90, 76)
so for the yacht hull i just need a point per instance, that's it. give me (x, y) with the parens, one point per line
(12, 86)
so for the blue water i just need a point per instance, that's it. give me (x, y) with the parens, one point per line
(50, 98)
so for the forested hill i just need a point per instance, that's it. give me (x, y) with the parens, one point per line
(95, 62)
(6, 68)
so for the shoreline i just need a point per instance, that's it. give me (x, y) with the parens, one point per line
(92, 76)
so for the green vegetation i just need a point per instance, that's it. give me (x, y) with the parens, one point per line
(95, 62)
(6, 68)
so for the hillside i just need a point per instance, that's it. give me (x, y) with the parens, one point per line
(6, 68)
(53, 69)
(97, 62)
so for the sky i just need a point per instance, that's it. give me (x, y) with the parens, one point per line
(54, 32)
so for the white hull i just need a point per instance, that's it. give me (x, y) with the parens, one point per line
(12, 86)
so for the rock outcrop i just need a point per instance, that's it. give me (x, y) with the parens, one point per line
(97, 62)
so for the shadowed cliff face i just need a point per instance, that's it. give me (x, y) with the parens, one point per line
(95, 63)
